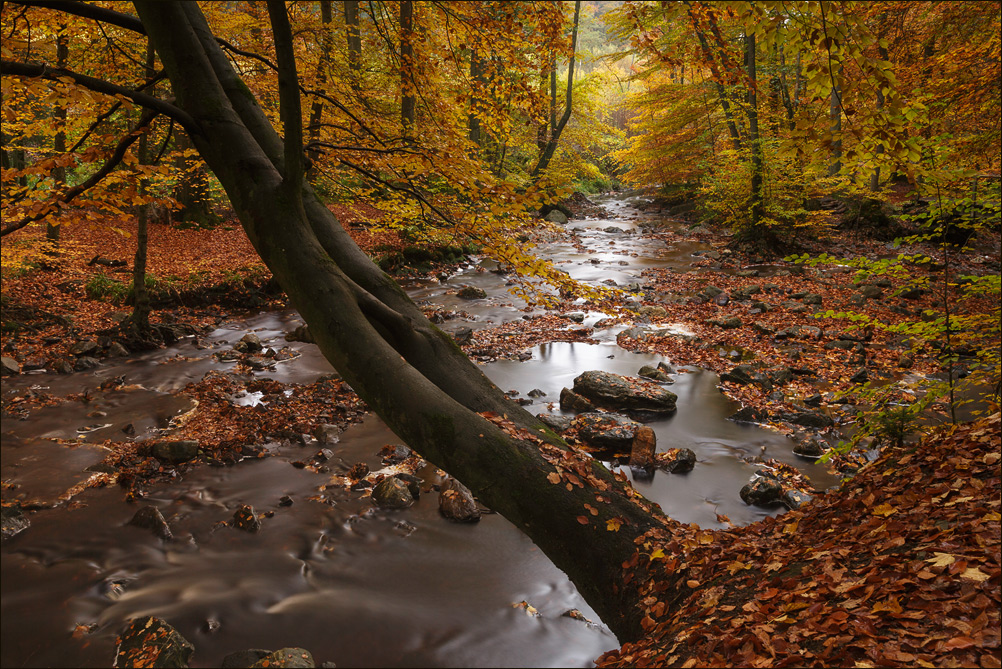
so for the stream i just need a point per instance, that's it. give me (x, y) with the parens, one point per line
(353, 584)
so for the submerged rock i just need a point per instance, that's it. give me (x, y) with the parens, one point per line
(14, 521)
(630, 394)
(456, 503)
(245, 519)
(244, 659)
(151, 642)
(392, 493)
(292, 658)
(150, 518)
(471, 293)
(175, 452)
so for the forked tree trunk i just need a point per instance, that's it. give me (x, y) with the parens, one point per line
(407, 370)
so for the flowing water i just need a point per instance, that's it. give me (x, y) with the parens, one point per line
(354, 585)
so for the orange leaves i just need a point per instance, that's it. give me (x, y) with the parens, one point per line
(613, 524)
(884, 510)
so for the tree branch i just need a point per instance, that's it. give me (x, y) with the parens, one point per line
(116, 157)
(8, 67)
(290, 105)
(90, 12)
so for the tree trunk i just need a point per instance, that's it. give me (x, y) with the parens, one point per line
(407, 370)
(192, 189)
(407, 89)
(732, 127)
(835, 114)
(323, 64)
(59, 141)
(556, 128)
(354, 37)
(875, 177)
(139, 321)
(474, 130)
(753, 136)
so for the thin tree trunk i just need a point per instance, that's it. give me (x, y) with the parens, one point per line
(753, 135)
(59, 141)
(408, 100)
(354, 37)
(140, 319)
(835, 113)
(556, 128)
(875, 177)
(323, 64)
(474, 131)
(732, 127)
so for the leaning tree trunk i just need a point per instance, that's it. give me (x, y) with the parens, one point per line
(407, 370)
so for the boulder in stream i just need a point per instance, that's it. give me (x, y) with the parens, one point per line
(606, 430)
(456, 503)
(676, 460)
(175, 452)
(762, 491)
(14, 521)
(392, 493)
(571, 401)
(658, 373)
(625, 393)
(556, 216)
(150, 518)
(244, 659)
(471, 293)
(291, 658)
(555, 422)
(151, 642)
(245, 519)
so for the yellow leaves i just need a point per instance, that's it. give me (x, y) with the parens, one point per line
(528, 608)
(884, 510)
(941, 560)
(791, 528)
(736, 566)
(613, 524)
(889, 605)
(992, 516)
(657, 554)
(974, 574)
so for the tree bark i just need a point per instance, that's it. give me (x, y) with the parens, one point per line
(408, 101)
(354, 38)
(753, 135)
(323, 65)
(139, 321)
(407, 370)
(732, 127)
(556, 128)
(59, 141)
(835, 113)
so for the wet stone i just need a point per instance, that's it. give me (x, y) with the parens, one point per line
(9, 366)
(861, 376)
(576, 316)
(327, 434)
(642, 448)
(13, 521)
(728, 323)
(555, 422)
(292, 658)
(84, 363)
(656, 373)
(285, 500)
(151, 642)
(150, 518)
(392, 454)
(536, 392)
(763, 492)
(456, 503)
(175, 452)
(808, 419)
(392, 493)
(622, 393)
(245, 519)
(471, 293)
(810, 448)
(463, 335)
(413, 483)
(677, 460)
(794, 499)
(243, 659)
(301, 334)
(88, 347)
(556, 216)
(742, 375)
(251, 343)
(606, 430)
(571, 401)
(748, 415)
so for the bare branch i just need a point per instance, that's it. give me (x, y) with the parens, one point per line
(90, 12)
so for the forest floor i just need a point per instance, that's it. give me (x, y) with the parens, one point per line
(919, 574)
